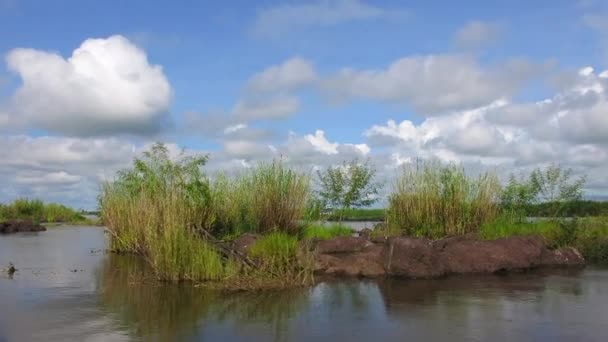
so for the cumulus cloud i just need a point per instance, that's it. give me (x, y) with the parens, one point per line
(281, 19)
(107, 86)
(292, 74)
(431, 84)
(476, 34)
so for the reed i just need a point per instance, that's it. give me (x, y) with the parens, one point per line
(437, 200)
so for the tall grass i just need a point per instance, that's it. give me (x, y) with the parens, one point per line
(168, 211)
(277, 254)
(267, 198)
(38, 211)
(158, 209)
(436, 200)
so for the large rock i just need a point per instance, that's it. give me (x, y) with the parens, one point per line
(468, 254)
(411, 258)
(366, 263)
(343, 244)
(566, 256)
(14, 226)
(423, 258)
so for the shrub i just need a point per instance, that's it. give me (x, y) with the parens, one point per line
(436, 200)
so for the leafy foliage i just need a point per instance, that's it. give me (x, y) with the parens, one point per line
(554, 187)
(349, 185)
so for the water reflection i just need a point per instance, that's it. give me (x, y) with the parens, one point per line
(115, 298)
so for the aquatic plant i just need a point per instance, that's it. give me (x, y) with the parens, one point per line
(436, 200)
(268, 197)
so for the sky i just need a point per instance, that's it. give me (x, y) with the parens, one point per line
(86, 86)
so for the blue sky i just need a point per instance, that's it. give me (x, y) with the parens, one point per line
(494, 85)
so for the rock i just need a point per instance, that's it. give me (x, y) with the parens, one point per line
(342, 244)
(468, 254)
(565, 256)
(380, 226)
(11, 269)
(423, 258)
(411, 258)
(243, 243)
(13, 226)
(365, 233)
(367, 263)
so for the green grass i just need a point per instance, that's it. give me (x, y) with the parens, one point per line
(277, 254)
(589, 235)
(436, 200)
(358, 214)
(168, 211)
(267, 198)
(38, 211)
(321, 232)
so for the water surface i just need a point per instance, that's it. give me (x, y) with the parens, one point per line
(68, 289)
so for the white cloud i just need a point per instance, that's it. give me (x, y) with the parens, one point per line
(431, 84)
(50, 178)
(292, 74)
(320, 143)
(278, 107)
(106, 86)
(476, 34)
(281, 19)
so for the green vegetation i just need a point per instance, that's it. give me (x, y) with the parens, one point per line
(436, 200)
(358, 214)
(326, 232)
(38, 211)
(269, 197)
(277, 255)
(169, 212)
(440, 200)
(347, 186)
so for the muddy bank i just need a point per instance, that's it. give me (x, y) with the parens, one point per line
(422, 258)
(14, 226)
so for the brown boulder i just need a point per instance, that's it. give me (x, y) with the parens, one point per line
(14, 226)
(565, 256)
(342, 244)
(367, 263)
(411, 258)
(467, 254)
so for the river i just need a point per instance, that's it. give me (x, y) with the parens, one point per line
(68, 289)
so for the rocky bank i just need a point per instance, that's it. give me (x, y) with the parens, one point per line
(407, 257)
(14, 226)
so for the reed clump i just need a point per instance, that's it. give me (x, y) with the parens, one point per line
(435, 200)
(38, 211)
(168, 211)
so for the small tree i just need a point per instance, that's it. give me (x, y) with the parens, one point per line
(553, 186)
(348, 185)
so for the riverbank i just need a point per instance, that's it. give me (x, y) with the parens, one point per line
(404, 257)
